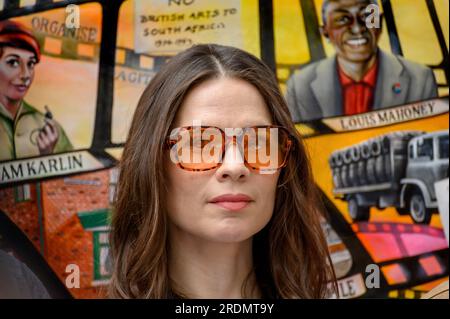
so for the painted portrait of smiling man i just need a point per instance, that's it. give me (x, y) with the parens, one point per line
(360, 77)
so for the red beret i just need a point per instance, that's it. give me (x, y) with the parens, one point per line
(16, 35)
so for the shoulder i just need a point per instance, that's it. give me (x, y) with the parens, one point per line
(29, 108)
(309, 72)
(7, 262)
(20, 281)
(28, 111)
(413, 68)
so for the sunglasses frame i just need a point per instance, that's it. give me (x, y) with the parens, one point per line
(289, 145)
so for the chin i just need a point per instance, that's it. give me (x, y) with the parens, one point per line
(17, 96)
(358, 57)
(230, 234)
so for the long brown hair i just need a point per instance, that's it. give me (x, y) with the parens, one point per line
(291, 256)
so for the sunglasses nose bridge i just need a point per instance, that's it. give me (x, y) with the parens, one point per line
(233, 150)
(234, 140)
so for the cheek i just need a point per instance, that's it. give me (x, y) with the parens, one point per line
(183, 192)
(375, 34)
(267, 185)
(336, 34)
(5, 77)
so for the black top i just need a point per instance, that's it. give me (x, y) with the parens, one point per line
(17, 281)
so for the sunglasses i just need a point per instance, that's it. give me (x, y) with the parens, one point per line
(264, 149)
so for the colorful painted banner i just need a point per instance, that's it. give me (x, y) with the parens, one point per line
(376, 131)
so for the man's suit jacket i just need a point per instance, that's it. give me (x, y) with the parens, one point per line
(315, 91)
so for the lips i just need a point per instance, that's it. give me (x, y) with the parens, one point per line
(232, 202)
(21, 87)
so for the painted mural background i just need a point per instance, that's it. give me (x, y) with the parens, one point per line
(55, 208)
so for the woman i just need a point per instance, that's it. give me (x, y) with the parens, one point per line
(228, 227)
(24, 131)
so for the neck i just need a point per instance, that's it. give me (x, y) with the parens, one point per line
(356, 70)
(12, 106)
(204, 269)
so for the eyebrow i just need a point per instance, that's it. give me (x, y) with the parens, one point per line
(12, 55)
(19, 57)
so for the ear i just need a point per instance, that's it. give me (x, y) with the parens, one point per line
(323, 31)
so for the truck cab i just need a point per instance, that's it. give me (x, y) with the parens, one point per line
(428, 162)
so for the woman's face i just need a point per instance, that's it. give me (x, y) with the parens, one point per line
(192, 208)
(16, 72)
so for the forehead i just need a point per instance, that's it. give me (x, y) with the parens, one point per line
(224, 102)
(21, 53)
(346, 5)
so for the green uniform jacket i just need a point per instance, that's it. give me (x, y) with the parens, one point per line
(15, 141)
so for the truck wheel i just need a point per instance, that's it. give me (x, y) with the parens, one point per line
(418, 209)
(358, 213)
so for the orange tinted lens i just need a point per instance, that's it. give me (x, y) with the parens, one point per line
(265, 148)
(200, 149)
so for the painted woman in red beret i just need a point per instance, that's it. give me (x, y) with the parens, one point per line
(24, 131)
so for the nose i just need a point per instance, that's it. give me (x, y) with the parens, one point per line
(358, 25)
(25, 72)
(233, 166)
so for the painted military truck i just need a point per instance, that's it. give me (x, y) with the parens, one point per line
(398, 170)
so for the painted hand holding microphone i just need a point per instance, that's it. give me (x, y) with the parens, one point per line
(46, 137)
